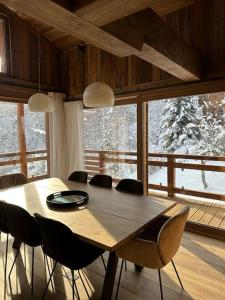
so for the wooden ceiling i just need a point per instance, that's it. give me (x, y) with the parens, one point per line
(123, 28)
(99, 13)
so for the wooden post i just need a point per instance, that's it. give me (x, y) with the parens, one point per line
(101, 163)
(22, 139)
(142, 143)
(170, 175)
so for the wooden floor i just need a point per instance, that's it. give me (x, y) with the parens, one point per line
(203, 213)
(204, 217)
(200, 262)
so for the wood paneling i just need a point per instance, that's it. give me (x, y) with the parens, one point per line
(143, 34)
(24, 49)
(102, 12)
(157, 44)
(201, 25)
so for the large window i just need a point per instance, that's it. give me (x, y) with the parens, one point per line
(188, 134)
(110, 138)
(22, 141)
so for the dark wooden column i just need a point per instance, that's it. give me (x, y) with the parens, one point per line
(47, 142)
(142, 143)
(22, 139)
(170, 175)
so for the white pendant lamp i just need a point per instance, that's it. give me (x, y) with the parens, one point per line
(40, 102)
(98, 94)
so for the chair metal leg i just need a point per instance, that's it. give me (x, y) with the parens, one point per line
(125, 265)
(73, 282)
(74, 286)
(49, 272)
(50, 278)
(32, 272)
(6, 253)
(84, 284)
(177, 274)
(18, 250)
(160, 283)
(118, 285)
(87, 281)
(103, 261)
(6, 257)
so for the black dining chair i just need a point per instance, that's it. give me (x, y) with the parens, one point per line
(132, 186)
(24, 228)
(101, 180)
(79, 176)
(4, 227)
(105, 181)
(64, 247)
(135, 187)
(11, 180)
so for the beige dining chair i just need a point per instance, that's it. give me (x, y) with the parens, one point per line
(156, 249)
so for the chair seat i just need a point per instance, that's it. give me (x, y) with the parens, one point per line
(148, 256)
(79, 255)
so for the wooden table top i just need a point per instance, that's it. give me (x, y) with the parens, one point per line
(108, 220)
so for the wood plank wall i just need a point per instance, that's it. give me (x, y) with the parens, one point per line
(202, 25)
(24, 49)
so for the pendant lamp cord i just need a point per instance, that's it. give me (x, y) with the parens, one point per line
(39, 62)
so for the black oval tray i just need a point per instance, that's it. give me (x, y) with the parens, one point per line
(67, 198)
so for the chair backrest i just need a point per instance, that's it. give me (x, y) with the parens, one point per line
(4, 226)
(101, 180)
(170, 235)
(12, 180)
(22, 225)
(57, 238)
(79, 176)
(130, 186)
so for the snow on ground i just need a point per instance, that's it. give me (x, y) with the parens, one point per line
(191, 179)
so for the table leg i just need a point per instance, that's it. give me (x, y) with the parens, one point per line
(109, 277)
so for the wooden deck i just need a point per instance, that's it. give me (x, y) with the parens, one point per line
(204, 217)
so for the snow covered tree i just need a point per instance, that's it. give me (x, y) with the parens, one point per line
(178, 123)
(212, 141)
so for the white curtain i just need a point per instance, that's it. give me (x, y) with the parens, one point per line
(74, 129)
(57, 138)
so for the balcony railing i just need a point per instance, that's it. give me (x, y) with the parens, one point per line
(96, 162)
(12, 159)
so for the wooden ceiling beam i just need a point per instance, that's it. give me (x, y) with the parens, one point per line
(157, 44)
(143, 34)
(102, 12)
(56, 16)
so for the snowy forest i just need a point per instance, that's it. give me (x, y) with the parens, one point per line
(34, 134)
(185, 125)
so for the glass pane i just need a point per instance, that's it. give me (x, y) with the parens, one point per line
(188, 125)
(34, 130)
(204, 181)
(114, 131)
(10, 169)
(35, 134)
(37, 168)
(9, 129)
(157, 175)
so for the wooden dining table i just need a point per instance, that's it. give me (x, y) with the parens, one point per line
(109, 219)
